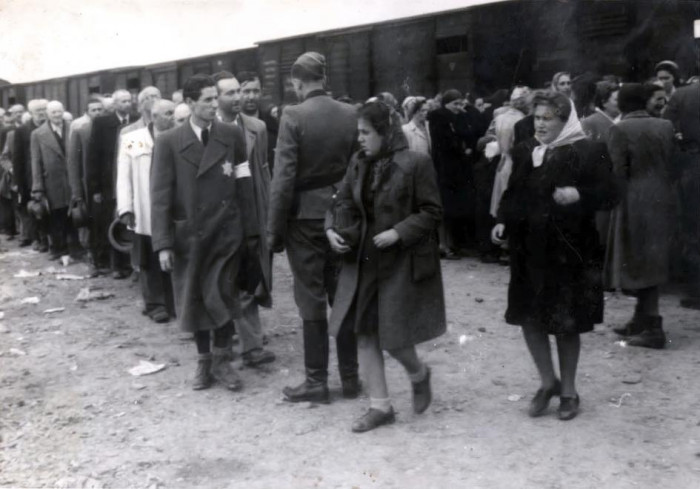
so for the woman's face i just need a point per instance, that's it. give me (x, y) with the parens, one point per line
(564, 85)
(420, 116)
(611, 108)
(656, 104)
(548, 125)
(666, 79)
(455, 106)
(369, 139)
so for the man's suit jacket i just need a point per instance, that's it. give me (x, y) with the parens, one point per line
(315, 143)
(684, 111)
(102, 156)
(22, 161)
(195, 213)
(49, 166)
(80, 131)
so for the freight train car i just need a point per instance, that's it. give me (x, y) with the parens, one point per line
(476, 49)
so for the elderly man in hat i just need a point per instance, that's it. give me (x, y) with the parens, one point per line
(316, 140)
(134, 207)
(199, 171)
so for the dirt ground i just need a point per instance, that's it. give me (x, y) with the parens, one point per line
(73, 416)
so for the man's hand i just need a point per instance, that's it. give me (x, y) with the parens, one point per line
(566, 195)
(337, 242)
(128, 219)
(498, 233)
(167, 259)
(275, 243)
(386, 239)
(97, 198)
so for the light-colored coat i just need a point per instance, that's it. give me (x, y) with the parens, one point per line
(418, 141)
(134, 178)
(49, 166)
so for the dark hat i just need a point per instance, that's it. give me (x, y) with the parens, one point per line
(120, 237)
(309, 65)
(450, 96)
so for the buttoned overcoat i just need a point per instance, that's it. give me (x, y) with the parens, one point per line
(194, 212)
(410, 292)
(49, 166)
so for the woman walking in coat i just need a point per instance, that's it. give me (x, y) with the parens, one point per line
(416, 130)
(557, 185)
(641, 226)
(384, 223)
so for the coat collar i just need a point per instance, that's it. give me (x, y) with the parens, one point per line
(637, 114)
(196, 154)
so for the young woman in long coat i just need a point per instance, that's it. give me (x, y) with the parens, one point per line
(384, 223)
(642, 225)
(558, 183)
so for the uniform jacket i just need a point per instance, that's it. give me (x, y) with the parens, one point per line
(134, 178)
(102, 156)
(642, 225)
(195, 212)
(315, 142)
(80, 131)
(22, 161)
(411, 299)
(50, 167)
(682, 110)
(418, 140)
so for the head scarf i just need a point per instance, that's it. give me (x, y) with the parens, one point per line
(571, 133)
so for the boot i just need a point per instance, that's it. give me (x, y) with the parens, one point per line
(202, 377)
(422, 393)
(633, 327)
(315, 386)
(223, 372)
(653, 335)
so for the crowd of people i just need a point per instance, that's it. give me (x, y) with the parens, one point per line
(581, 186)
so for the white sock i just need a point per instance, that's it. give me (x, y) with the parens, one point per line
(383, 405)
(420, 375)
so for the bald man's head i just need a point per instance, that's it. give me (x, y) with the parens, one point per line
(162, 114)
(146, 98)
(182, 112)
(122, 102)
(37, 108)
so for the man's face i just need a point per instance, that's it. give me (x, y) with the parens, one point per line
(149, 96)
(164, 118)
(229, 96)
(39, 114)
(55, 115)
(250, 95)
(204, 108)
(94, 109)
(666, 79)
(564, 85)
(122, 103)
(16, 115)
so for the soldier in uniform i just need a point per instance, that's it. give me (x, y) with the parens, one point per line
(199, 171)
(316, 140)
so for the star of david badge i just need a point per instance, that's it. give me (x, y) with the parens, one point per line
(227, 168)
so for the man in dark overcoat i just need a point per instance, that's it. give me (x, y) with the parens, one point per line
(101, 175)
(198, 171)
(255, 276)
(22, 172)
(683, 111)
(316, 140)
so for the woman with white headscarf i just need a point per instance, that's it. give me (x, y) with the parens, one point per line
(558, 183)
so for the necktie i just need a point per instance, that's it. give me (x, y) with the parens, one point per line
(205, 136)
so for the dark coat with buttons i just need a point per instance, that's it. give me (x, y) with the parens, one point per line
(195, 212)
(410, 293)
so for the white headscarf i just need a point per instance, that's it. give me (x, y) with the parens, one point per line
(571, 133)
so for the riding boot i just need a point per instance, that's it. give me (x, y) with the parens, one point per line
(315, 386)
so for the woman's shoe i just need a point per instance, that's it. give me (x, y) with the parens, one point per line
(422, 393)
(373, 418)
(568, 407)
(540, 402)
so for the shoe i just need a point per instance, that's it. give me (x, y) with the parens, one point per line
(568, 407)
(633, 327)
(653, 335)
(352, 388)
(223, 372)
(120, 274)
(258, 356)
(25, 242)
(691, 303)
(422, 393)
(451, 255)
(373, 418)
(308, 391)
(159, 315)
(10, 237)
(202, 377)
(540, 402)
